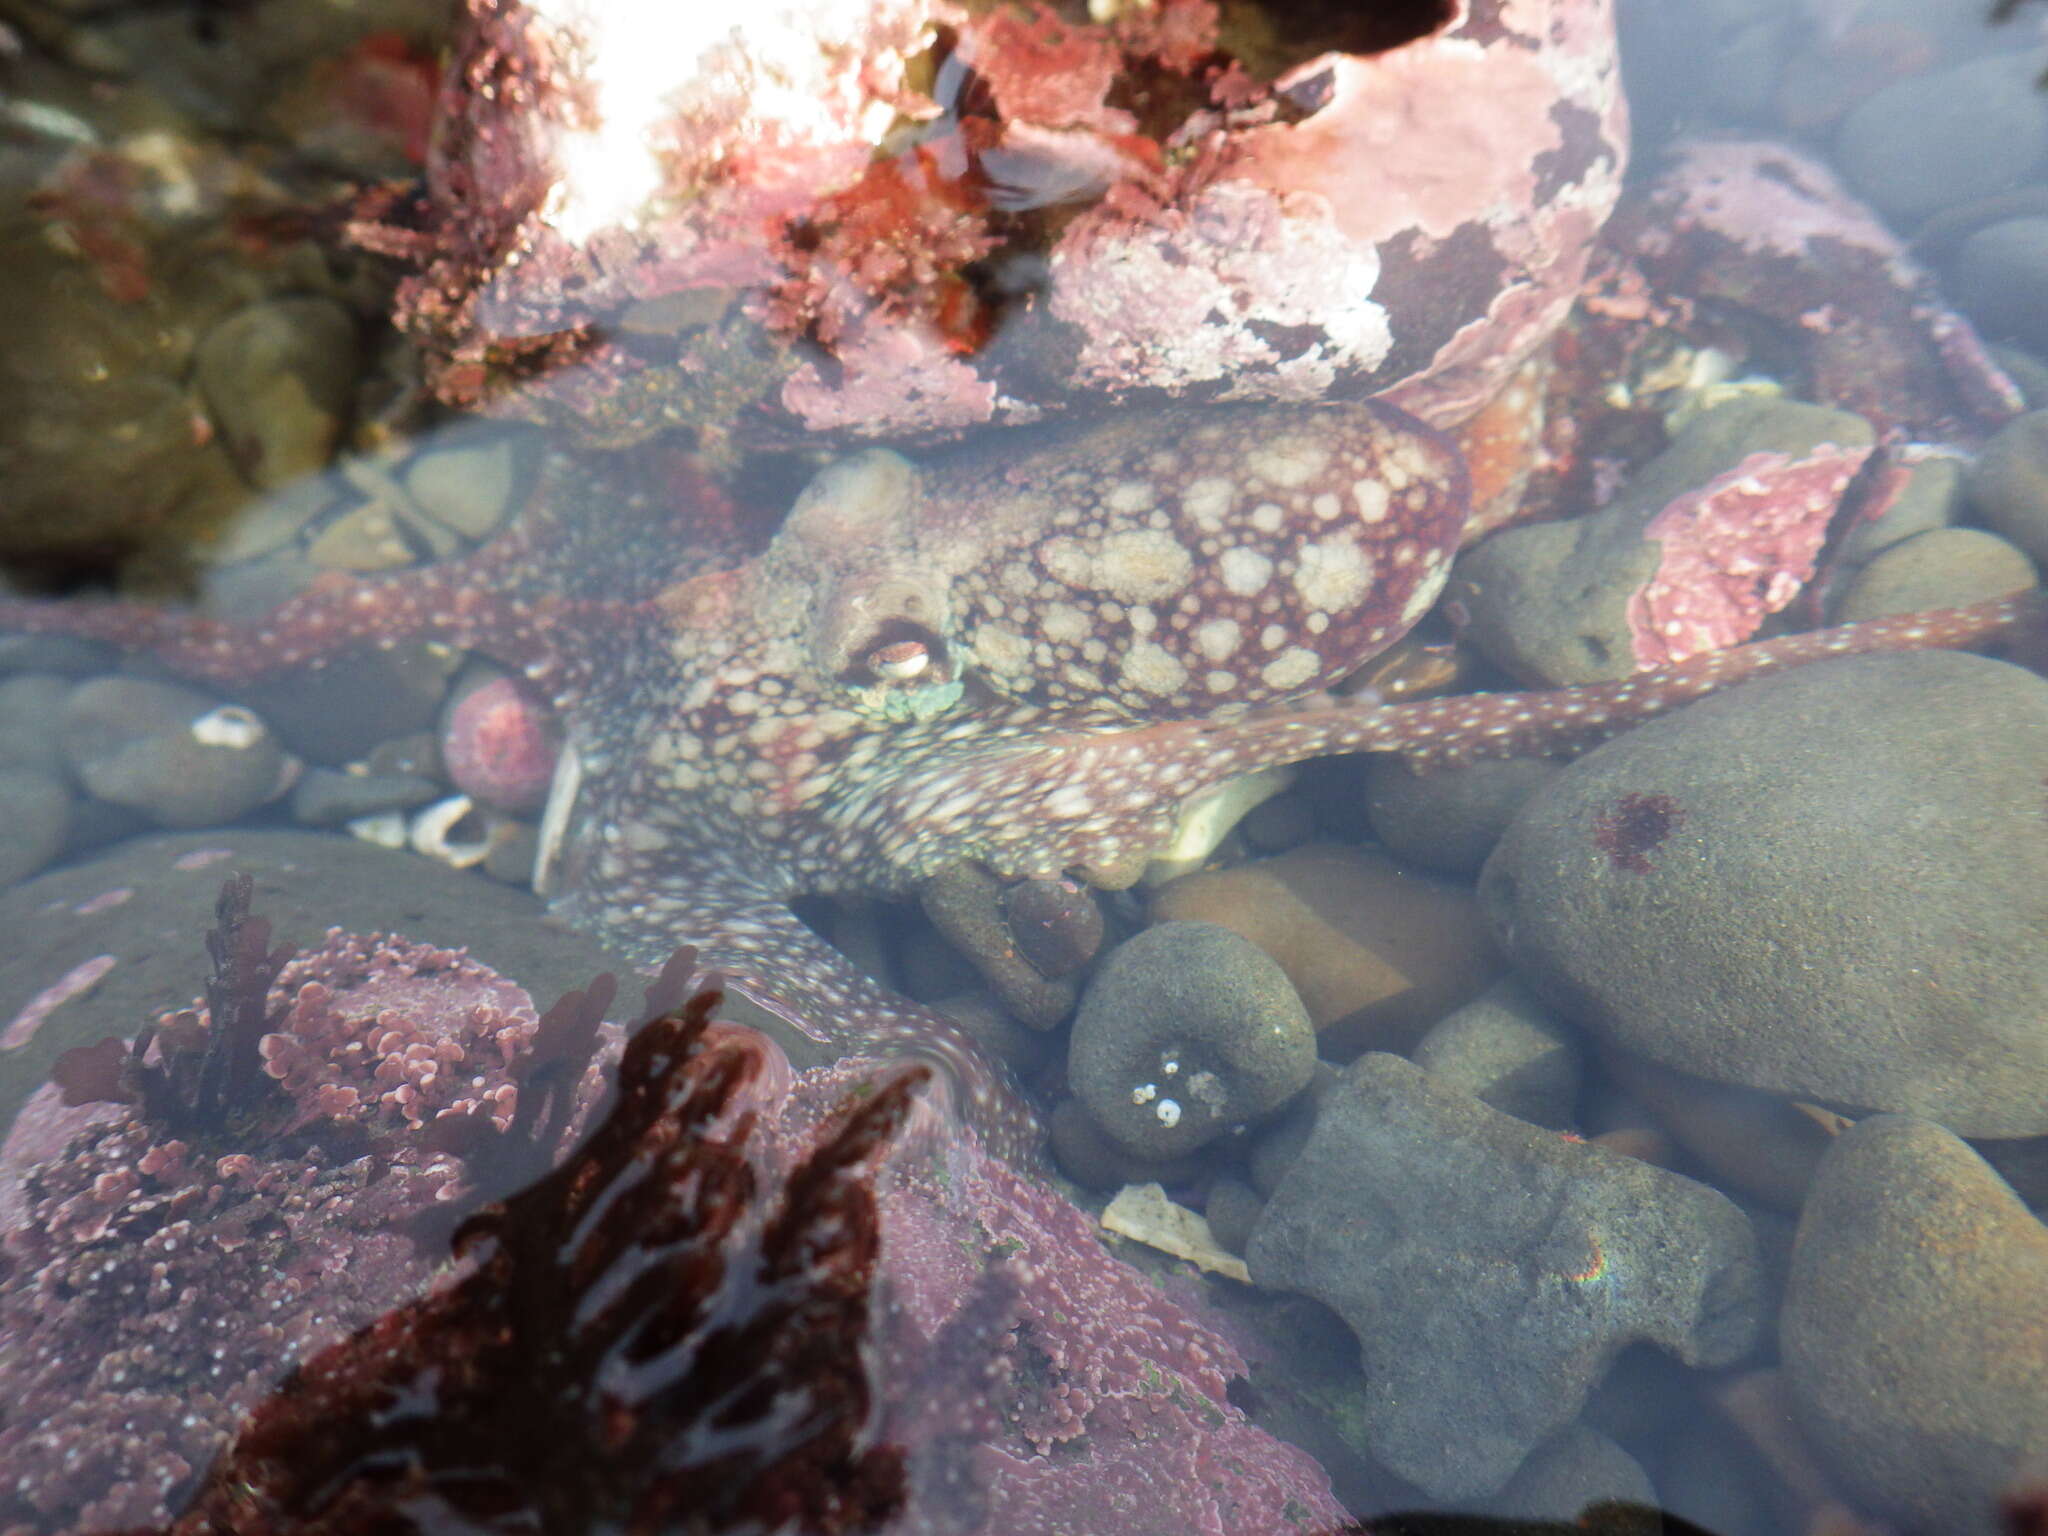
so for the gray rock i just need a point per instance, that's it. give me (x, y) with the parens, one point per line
(1505, 1050)
(325, 797)
(337, 713)
(1187, 1030)
(468, 477)
(1934, 141)
(1941, 568)
(35, 820)
(1277, 1145)
(1232, 1210)
(1932, 497)
(1912, 1333)
(1450, 819)
(1572, 1470)
(179, 757)
(1085, 1153)
(2000, 280)
(2009, 486)
(55, 653)
(30, 704)
(1492, 1270)
(278, 377)
(1830, 884)
(1549, 602)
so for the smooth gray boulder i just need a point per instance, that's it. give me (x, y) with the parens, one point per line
(1831, 884)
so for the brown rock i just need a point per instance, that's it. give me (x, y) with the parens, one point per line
(1377, 954)
(1756, 1142)
(1914, 1335)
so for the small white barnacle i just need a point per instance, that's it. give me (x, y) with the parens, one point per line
(1144, 1093)
(1168, 1112)
(229, 726)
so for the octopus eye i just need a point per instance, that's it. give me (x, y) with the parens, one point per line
(902, 662)
(902, 655)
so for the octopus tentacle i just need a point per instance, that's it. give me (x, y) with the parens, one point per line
(765, 953)
(508, 599)
(1100, 800)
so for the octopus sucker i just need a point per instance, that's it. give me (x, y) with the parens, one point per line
(1029, 654)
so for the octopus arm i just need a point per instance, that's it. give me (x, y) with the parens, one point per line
(1104, 801)
(762, 951)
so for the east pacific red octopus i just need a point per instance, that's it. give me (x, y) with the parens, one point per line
(1030, 653)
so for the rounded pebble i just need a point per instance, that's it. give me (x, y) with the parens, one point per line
(179, 757)
(2009, 486)
(1850, 860)
(30, 703)
(1914, 1334)
(1933, 141)
(1085, 1154)
(1942, 568)
(1187, 1030)
(1448, 820)
(278, 378)
(1378, 954)
(1056, 924)
(35, 821)
(499, 743)
(2001, 280)
(1506, 1050)
(1232, 1210)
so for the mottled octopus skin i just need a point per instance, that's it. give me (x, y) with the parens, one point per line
(1029, 654)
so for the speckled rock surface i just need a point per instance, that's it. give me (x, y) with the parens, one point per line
(1829, 884)
(1914, 1336)
(1492, 1270)
(1186, 1030)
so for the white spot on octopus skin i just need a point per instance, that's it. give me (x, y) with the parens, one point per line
(1207, 501)
(1334, 575)
(1290, 669)
(1371, 497)
(1153, 669)
(1245, 571)
(1217, 639)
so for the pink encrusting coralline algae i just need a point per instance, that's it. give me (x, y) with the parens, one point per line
(157, 1288)
(155, 1284)
(915, 217)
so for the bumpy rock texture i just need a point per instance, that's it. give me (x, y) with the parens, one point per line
(1492, 1270)
(1830, 884)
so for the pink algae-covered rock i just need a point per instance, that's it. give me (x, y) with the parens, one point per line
(1660, 575)
(1098, 1402)
(1798, 273)
(1436, 205)
(1413, 216)
(154, 1286)
(1735, 551)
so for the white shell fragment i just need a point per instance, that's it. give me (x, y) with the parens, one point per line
(1142, 1213)
(456, 831)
